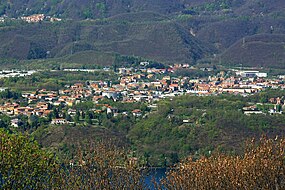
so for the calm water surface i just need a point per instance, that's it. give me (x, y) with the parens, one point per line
(157, 174)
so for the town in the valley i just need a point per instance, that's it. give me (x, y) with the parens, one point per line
(144, 85)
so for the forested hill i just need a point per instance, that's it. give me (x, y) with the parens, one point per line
(92, 8)
(167, 31)
(106, 8)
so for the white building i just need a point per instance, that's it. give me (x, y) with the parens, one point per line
(251, 74)
(111, 94)
(60, 121)
(15, 122)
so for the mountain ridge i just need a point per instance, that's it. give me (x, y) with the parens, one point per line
(178, 31)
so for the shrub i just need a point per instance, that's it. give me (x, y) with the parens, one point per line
(102, 166)
(261, 167)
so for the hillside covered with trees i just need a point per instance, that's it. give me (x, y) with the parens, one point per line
(165, 31)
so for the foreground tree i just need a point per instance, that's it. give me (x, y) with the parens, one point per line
(23, 165)
(261, 167)
(100, 165)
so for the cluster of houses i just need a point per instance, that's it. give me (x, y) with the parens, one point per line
(39, 17)
(14, 109)
(35, 18)
(144, 85)
(141, 85)
(40, 103)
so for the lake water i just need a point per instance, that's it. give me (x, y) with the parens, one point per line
(155, 173)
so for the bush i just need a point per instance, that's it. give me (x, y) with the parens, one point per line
(261, 167)
(102, 166)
